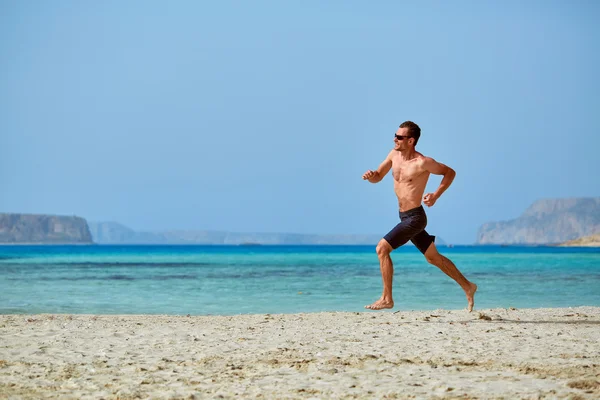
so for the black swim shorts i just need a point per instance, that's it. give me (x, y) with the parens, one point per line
(411, 227)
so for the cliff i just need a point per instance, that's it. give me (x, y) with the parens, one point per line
(43, 229)
(547, 221)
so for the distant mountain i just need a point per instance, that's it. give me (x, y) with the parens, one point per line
(43, 229)
(548, 221)
(115, 233)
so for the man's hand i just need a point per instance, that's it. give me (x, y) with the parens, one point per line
(369, 174)
(429, 199)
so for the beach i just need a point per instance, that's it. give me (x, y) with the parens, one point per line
(489, 353)
(586, 241)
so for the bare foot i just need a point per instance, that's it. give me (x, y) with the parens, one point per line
(381, 304)
(470, 294)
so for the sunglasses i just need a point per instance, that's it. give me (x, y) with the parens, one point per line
(400, 137)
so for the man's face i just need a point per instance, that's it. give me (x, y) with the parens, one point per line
(401, 139)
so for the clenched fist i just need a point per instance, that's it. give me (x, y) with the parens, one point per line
(369, 174)
(429, 199)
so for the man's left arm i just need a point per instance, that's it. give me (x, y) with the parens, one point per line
(437, 168)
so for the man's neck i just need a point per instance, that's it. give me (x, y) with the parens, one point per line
(408, 154)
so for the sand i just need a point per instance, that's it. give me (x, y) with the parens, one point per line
(587, 241)
(488, 354)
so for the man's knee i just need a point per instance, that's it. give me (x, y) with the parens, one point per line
(432, 256)
(383, 248)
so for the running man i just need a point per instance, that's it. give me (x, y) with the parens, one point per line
(411, 170)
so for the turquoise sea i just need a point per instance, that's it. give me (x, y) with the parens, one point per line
(229, 280)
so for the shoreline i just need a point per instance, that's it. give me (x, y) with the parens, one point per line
(489, 353)
(396, 311)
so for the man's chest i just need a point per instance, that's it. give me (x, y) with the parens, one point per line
(404, 171)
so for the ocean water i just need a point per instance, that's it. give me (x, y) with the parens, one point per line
(229, 280)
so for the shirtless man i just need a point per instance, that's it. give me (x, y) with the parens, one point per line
(411, 170)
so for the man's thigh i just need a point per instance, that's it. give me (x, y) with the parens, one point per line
(422, 240)
(401, 233)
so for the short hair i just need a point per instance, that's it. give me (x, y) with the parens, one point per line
(413, 130)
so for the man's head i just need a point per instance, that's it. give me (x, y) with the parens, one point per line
(407, 135)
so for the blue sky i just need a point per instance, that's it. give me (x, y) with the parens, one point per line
(262, 116)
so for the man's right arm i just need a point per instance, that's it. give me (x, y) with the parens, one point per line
(381, 172)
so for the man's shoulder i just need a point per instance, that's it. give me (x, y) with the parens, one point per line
(423, 158)
(424, 161)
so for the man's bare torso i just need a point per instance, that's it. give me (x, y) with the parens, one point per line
(410, 179)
